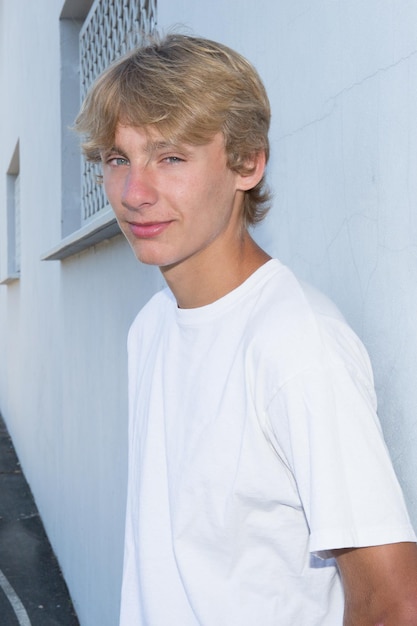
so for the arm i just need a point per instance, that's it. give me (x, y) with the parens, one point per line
(380, 585)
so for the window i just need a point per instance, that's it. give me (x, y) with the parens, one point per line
(92, 34)
(13, 220)
(112, 28)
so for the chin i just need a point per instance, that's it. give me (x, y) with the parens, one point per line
(149, 257)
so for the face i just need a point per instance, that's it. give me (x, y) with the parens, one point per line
(176, 204)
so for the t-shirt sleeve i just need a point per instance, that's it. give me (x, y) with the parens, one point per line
(323, 422)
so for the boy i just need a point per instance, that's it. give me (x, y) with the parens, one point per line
(260, 490)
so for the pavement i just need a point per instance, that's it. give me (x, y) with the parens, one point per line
(32, 589)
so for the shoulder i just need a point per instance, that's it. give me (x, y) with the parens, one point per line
(298, 326)
(340, 342)
(284, 297)
(151, 315)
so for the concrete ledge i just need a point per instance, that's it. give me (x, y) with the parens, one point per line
(12, 278)
(102, 227)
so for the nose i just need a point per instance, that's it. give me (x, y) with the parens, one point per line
(139, 190)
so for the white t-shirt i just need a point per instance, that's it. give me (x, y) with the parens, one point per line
(254, 450)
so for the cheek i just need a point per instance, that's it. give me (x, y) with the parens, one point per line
(221, 194)
(215, 189)
(112, 192)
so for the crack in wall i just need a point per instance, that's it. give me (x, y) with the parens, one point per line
(300, 129)
(380, 70)
(332, 99)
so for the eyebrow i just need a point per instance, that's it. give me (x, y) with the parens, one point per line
(150, 147)
(113, 149)
(156, 146)
(153, 146)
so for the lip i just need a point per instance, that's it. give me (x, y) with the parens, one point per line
(148, 230)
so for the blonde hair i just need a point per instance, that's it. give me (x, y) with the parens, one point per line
(187, 88)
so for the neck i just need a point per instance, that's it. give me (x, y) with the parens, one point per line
(202, 280)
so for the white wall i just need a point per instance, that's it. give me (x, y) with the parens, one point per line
(63, 330)
(342, 77)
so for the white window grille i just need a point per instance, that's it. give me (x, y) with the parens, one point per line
(111, 28)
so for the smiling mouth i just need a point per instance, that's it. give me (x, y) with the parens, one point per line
(148, 229)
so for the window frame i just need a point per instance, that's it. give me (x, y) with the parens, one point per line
(13, 229)
(82, 227)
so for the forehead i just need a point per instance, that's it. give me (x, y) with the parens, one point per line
(145, 137)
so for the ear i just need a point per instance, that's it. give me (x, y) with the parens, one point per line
(254, 170)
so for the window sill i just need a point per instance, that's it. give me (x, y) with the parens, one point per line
(12, 278)
(102, 227)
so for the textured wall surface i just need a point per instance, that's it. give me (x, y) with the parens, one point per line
(342, 78)
(63, 329)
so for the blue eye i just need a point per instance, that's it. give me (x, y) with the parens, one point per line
(117, 161)
(173, 159)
